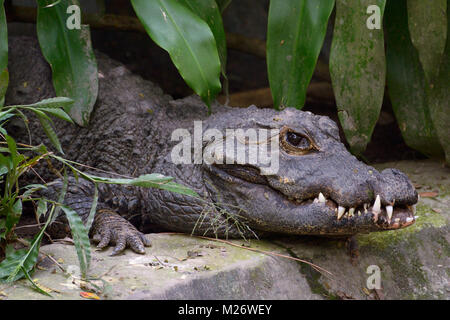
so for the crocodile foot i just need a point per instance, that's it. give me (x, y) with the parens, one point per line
(110, 228)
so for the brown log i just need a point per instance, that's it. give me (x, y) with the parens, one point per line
(318, 92)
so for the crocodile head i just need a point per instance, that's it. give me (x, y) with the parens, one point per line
(317, 188)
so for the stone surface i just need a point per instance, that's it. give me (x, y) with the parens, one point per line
(175, 267)
(413, 262)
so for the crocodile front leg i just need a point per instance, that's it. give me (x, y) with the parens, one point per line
(109, 226)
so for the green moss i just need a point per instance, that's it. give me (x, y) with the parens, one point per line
(427, 218)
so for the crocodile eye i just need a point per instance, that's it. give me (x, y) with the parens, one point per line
(298, 140)
(295, 143)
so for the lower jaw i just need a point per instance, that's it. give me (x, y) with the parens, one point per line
(365, 218)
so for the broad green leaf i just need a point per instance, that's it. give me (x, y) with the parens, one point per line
(189, 41)
(427, 21)
(80, 237)
(4, 76)
(406, 83)
(296, 30)
(71, 57)
(210, 13)
(439, 96)
(357, 68)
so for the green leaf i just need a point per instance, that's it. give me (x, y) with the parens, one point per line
(59, 113)
(18, 263)
(14, 214)
(406, 83)
(427, 21)
(154, 180)
(4, 76)
(71, 57)
(5, 116)
(188, 40)
(93, 208)
(12, 150)
(41, 114)
(56, 102)
(9, 264)
(42, 208)
(5, 164)
(357, 68)
(35, 286)
(296, 30)
(439, 96)
(32, 188)
(80, 237)
(209, 11)
(51, 134)
(62, 194)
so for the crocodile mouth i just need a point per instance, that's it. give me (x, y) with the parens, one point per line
(390, 217)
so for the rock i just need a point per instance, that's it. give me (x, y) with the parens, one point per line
(169, 270)
(413, 263)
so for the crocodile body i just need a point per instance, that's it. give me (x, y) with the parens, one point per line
(318, 189)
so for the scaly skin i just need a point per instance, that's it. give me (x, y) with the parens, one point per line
(130, 134)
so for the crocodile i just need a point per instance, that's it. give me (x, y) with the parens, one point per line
(319, 187)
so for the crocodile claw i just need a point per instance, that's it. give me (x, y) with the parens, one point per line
(111, 229)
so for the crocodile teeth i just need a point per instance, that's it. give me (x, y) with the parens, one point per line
(409, 219)
(351, 212)
(389, 210)
(359, 213)
(377, 204)
(316, 200)
(322, 198)
(341, 211)
(375, 216)
(416, 217)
